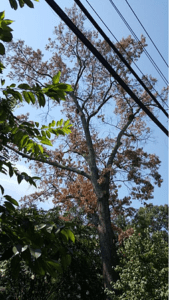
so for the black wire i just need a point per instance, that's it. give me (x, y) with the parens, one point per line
(87, 43)
(146, 52)
(125, 51)
(118, 53)
(147, 33)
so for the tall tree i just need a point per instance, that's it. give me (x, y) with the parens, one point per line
(103, 155)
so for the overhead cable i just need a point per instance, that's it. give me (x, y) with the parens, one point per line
(147, 33)
(96, 53)
(146, 52)
(118, 53)
(125, 51)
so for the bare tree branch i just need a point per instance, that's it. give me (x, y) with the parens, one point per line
(118, 141)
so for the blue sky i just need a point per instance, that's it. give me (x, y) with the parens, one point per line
(36, 25)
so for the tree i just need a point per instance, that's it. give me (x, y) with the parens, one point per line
(153, 217)
(81, 278)
(21, 240)
(103, 154)
(32, 245)
(143, 267)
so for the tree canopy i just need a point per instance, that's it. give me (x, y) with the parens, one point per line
(103, 155)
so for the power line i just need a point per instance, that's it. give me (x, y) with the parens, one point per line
(87, 43)
(118, 53)
(147, 33)
(125, 50)
(146, 52)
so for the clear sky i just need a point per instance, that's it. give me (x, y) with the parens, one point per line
(36, 25)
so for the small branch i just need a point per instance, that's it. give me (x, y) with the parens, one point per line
(51, 163)
(80, 72)
(118, 142)
(103, 102)
(96, 111)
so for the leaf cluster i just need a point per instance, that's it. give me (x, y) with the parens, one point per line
(81, 278)
(143, 267)
(41, 246)
(14, 3)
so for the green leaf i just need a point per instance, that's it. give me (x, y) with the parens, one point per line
(48, 134)
(66, 123)
(14, 93)
(1, 67)
(41, 99)
(21, 3)
(5, 36)
(40, 226)
(29, 3)
(2, 189)
(59, 123)
(19, 178)
(24, 86)
(10, 170)
(56, 78)
(13, 4)
(58, 131)
(29, 146)
(2, 49)
(64, 232)
(65, 87)
(44, 140)
(9, 206)
(44, 127)
(17, 249)
(40, 148)
(43, 133)
(24, 141)
(2, 15)
(2, 82)
(61, 95)
(32, 97)
(13, 85)
(26, 96)
(70, 235)
(36, 253)
(36, 178)
(50, 228)
(10, 199)
(52, 124)
(56, 265)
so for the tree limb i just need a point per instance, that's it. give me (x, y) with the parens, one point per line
(51, 163)
(118, 142)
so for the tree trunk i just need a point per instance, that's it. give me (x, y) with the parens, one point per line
(107, 243)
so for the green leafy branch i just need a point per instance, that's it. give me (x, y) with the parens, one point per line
(42, 246)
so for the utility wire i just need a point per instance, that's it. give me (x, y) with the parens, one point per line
(118, 53)
(87, 43)
(146, 52)
(125, 50)
(147, 33)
